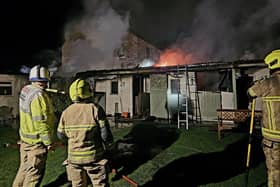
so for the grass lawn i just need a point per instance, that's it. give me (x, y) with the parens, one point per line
(163, 156)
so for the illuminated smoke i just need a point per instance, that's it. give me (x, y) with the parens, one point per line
(90, 41)
(172, 57)
(147, 63)
(232, 30)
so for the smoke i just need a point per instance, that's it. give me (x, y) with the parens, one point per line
(232, 30)
(90, 41)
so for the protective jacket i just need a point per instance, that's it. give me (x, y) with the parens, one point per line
(36, 116)
(269, 90)
(87, 130)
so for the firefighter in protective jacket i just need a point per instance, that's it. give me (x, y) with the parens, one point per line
(86, 128)
(269, 90)
(36, 128)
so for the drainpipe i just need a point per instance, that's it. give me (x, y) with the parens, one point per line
(233, 72)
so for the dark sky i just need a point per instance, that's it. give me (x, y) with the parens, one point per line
(219, 29)
(28, 27)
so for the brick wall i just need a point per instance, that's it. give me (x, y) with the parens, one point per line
(134, 50)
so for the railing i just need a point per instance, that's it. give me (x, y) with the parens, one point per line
(230, 118)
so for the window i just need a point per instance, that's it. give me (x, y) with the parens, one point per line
(147, 85)
(114, 87)
(175, 86)
(120, 52)
(6, 88)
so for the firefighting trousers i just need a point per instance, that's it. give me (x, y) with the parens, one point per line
(97, 173)
(272, 156)
(32, 165)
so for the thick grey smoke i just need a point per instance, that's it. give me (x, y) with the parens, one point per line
(90, 40)
(232, 30)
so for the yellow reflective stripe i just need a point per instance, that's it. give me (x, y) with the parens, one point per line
(269, 115)
(101, 123)
(268, 100)
(60, 129)
(45, 138)
(81, 153)
(77, 157)
(29, 136)
(79, 127)
(275, 134)
(271, 98)
(38, 118)
(251, 92)
(272, 116)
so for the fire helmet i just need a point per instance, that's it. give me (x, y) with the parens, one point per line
(39, 74)
(79, 90)
(273, 59)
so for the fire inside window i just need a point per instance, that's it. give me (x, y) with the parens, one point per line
(175, 86)
(114, 87)
(6, 88)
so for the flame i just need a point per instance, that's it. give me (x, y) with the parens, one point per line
(173, 57)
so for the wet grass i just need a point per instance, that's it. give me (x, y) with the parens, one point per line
(161, 156)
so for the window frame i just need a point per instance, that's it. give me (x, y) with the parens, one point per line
(175, 86)
(114, 87)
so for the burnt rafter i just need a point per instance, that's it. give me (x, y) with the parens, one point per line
(199, 67)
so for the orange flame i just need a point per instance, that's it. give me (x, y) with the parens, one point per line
(173, 57)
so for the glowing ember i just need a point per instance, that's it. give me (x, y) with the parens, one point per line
(173, 57)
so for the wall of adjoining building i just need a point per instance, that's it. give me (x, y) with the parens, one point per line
(121, 102)
(134, 50)
(10, 100)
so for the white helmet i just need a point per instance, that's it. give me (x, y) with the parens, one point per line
(39, 74)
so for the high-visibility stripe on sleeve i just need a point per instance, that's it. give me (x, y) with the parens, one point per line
(251, 92)
(38, 118)
(45, 138)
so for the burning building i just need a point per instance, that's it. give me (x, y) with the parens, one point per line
(162, 91)
(124, 84)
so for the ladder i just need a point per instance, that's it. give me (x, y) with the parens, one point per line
(196, 103)
(190, 95)
(183, 109)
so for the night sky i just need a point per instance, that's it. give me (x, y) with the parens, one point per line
(28, 27)
(219, 29)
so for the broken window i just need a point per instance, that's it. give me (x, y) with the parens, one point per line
(120, 52)
(6, 88)
(114, 87)
(175, 86)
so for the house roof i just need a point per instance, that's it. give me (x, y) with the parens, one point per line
(200, 67)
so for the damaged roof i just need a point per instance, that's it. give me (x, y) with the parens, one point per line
(199, 67)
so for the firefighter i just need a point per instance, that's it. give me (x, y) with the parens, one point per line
(85, 127)
(36, 128)
(269, 90)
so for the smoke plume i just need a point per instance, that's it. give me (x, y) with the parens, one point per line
(232, 30)
(90, 40)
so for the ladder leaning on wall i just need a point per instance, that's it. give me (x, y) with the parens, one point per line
(182, 112)
(196, 103)
(183, 108)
